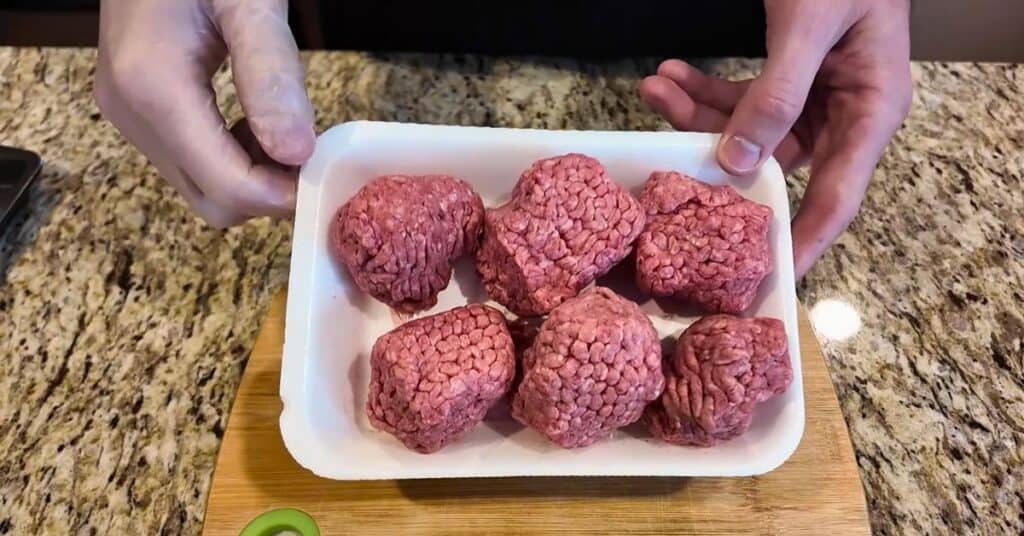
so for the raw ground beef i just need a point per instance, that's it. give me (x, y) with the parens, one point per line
(723, 366)
(566, 224)
(434, 378)
(703, 244)
(593, 366)
(398, 236)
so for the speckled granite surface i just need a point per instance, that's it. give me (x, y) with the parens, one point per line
(124, 323)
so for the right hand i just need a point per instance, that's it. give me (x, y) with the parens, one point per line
(835, 87)
(156, 60)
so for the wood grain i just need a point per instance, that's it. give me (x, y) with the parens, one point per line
(817, 490)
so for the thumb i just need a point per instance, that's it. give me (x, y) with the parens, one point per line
(269, 77)
(797, 44)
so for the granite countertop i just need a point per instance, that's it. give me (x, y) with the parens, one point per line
(125, 323)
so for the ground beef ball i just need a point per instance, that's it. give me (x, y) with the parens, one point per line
(593, 366)
(722, 367)
(566, 225)
(703, 244)
(399, 236)
(434, 378)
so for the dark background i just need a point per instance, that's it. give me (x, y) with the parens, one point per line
(598, 28)
(594, 28)
(976, 30)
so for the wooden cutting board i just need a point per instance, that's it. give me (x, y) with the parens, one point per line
(817, 490)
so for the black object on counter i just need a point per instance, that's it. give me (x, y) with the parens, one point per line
(18, 168)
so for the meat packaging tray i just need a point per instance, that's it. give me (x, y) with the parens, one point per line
(331, 326)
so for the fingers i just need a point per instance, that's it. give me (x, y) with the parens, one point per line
(693, 101)
(167, 108)
(839, 177)
(215, 214)
(138, 133)
(799, 36)
(191, 130)
(269, 77)
(712, 91)
(676, 106)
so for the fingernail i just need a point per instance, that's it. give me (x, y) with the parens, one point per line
(740, 153)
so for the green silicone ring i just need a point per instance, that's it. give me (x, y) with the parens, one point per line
(273, 522)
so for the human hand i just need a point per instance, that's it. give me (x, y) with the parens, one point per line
(156, 59)
(834, 89)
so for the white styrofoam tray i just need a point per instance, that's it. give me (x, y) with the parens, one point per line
(331, 326)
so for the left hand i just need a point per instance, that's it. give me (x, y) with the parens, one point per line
(834, 89)
(156, 58)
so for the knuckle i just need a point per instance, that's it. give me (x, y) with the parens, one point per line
(124, 75)
(220, 218)
(671, 65)
(779, 104)
(227, 196)
(242, 194)
(122, 70)
(211, 208)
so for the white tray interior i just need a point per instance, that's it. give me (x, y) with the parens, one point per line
(331, 326)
